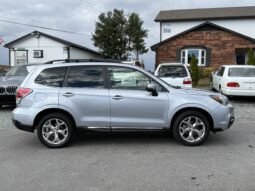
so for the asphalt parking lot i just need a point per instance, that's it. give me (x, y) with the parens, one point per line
(131, 161)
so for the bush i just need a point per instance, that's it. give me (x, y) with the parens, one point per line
(251, 58)
(195, 72)
(206, 72)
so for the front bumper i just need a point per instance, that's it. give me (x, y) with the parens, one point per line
(7, 100)
(224, 118)
(22, 127)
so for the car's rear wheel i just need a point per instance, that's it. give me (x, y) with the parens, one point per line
(191, 128)
(55, 130)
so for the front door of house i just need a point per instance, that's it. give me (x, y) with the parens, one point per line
(240, 59)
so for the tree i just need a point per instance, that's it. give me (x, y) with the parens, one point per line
(251, 57)
(117, 34)
(136, 34)
(194, 70)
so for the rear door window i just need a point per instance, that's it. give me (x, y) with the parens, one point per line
(172, 71)
(86, 77)
(52, 77)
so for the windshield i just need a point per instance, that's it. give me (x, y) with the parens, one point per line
(172, 71)
(18, 71)
(241, 72)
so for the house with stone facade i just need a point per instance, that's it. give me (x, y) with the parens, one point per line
(216, 36)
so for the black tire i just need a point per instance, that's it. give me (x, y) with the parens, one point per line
(185, 115)
(69, 127)
(211, 86)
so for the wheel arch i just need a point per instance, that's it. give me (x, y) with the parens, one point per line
(52, 110)
(207, 114)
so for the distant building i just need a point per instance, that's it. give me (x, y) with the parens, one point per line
(216, 36)
(38, 47)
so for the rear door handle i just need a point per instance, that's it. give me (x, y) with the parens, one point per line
(68, 94)
(118, 97)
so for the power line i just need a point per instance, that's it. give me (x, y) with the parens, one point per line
(47, 28)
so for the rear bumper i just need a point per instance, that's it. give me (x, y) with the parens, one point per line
(22, 127)
(238, 92)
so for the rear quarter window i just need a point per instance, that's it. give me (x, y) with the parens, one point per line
(53, 77)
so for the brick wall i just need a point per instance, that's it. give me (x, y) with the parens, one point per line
(4, 68)
(222, 44)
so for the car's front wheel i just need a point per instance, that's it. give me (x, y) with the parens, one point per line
(55, 130)
(191, 128)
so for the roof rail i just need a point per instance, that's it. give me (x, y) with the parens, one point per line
(81, 60)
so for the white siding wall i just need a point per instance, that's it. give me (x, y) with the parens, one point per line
(81, 54)
(51, 49)
(243, 26)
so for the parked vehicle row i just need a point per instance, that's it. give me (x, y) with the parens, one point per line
(56, 99)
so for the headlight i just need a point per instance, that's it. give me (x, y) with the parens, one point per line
(220, 99)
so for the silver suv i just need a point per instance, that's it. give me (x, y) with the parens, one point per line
(56, 99)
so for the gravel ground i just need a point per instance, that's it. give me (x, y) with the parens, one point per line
(131, 161)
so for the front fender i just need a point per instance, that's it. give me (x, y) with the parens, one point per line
(187, 106)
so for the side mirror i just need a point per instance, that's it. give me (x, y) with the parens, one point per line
(152, 88)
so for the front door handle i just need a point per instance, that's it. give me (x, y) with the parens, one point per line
(68, 94)
(118, 97)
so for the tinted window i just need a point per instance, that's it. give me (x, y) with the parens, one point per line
(127, 78)
(86, 77)
(18, 71)
(172, 71)
(241, 72)
(52, 77)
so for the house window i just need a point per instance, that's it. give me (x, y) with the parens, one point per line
(200, 54)
(38, 53)
(166, 28)
(20, 57)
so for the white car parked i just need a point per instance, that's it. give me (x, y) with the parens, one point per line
(234, 80)
(176, 74)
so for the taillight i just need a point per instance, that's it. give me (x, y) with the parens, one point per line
(21, 93)
(187, 81)
(233, 85)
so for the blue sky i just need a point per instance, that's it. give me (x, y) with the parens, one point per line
(81, 15)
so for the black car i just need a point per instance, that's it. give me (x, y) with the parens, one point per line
(10, 81)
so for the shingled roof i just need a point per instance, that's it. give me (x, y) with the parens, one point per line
(206, 14)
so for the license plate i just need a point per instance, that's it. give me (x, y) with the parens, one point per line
(250, 85)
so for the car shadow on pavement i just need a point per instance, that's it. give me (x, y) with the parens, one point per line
(85, 138)
(242, 99)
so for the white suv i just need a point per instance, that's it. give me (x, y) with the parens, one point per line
(176, 74)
